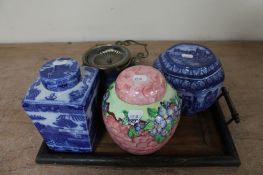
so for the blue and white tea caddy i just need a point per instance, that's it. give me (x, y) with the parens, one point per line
(195, 72)
(61, 104)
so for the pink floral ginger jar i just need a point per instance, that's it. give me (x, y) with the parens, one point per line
(141, 110)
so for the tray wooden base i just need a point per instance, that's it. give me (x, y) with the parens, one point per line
(201, 140)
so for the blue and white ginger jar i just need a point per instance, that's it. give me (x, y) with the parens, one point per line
(195, 72)
(61, 104)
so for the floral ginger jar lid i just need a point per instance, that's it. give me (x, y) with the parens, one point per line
(195, 72)
(140, 110)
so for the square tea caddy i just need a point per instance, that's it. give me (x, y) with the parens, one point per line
(61, 104)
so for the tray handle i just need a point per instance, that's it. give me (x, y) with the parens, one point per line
(139, 55)
(232, 109)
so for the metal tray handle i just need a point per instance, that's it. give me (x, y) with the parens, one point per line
(232, 109)
(139, 55)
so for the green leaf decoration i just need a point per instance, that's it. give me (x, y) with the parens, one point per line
(110, 87)
(149, 126)
(125, 113)
(178, 100)
(152, 112)
(173, 122)
(132, 132)
(125, 119)
(173, 101)
(168, 127)
(159, 138)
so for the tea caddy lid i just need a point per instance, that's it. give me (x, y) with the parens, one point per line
(60, 74)
(107, 56)
(189, 60)
(140, 85)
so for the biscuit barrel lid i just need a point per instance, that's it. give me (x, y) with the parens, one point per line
(60, 74)
(188, 60)
(140, 85)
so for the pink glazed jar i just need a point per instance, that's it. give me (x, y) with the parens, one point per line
(141, 110)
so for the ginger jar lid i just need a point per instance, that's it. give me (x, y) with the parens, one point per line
(60, 74)
(140, 85)
(189, 60)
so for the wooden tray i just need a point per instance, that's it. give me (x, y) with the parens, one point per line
(201, 140)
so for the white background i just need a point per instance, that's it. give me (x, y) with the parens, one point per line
(89, 20)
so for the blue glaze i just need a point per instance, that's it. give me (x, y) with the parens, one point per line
(60, 74)
(195, 72)
(64, 116)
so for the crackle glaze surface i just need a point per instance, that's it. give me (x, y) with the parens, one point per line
(140, 85)
(64, 116)
(141, 129)
(195, 72)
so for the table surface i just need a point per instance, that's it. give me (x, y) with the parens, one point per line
(20, 141)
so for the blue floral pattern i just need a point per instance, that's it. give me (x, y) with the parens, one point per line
(191, 84)
(201, 63)
(164, 119)
(160, 124)
(198, 77)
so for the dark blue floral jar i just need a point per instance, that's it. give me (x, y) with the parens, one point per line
(195, 72)
(61, 104)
